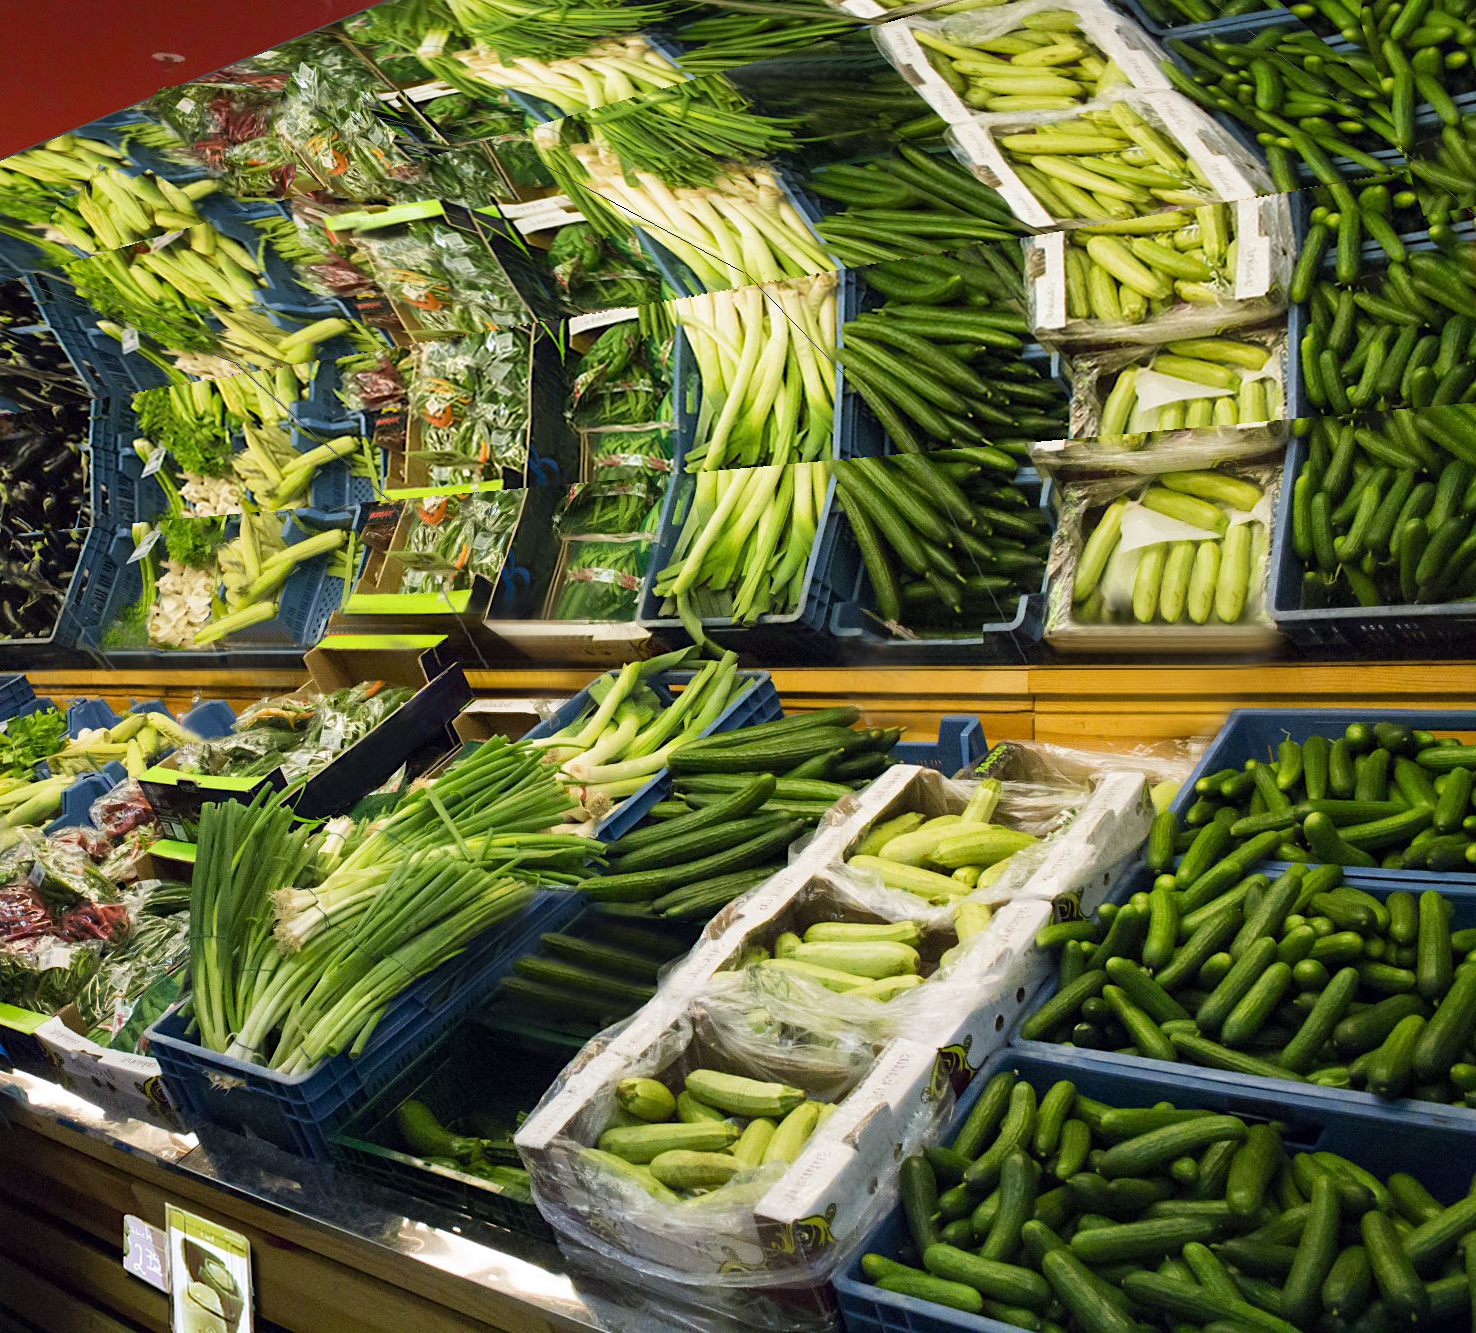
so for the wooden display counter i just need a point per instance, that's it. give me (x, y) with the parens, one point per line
(1097, 707)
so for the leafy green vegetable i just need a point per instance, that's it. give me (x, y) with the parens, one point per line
(200, 441)
(193, 541)
(29, 739)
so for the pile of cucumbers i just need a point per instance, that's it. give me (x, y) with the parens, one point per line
(1238, 388)
(939, 364)
(908, 202)
(1051, 1210)
(1207, 580)
(581, 980)
(1384, 510)
(739, 799)
(1381, 794)
(1128, 271)
(949, 542)
(707, 1137)
(1294, 978)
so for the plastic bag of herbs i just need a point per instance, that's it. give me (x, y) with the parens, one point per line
(470, 397)
(452, 538)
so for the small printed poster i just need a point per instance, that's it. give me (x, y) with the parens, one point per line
(209, 1276)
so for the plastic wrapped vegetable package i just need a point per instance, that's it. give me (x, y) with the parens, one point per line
(1167, 551)
(791, 1219)
(1180, 274)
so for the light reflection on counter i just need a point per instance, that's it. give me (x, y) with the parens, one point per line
(318, 1194)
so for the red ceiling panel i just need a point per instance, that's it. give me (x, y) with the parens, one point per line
(65, 62)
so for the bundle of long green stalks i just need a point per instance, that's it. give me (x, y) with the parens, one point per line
(767, 361)
(299, 943)
(745, 544)
(625, 737)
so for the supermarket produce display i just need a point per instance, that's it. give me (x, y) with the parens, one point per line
(660, 354)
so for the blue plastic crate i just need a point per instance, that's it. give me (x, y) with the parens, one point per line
(960, 745)
(15, 694)
(18, 257)
(77, 800)
(100, 361)
(1444, 629)
(805, 631)
(281, 291)
(1441, 1157)
(1254, 733)
(121, 494)
(90, 567)
(322, 411)
(1416, 1114)
(298, 1113)
(1014, 638)
(337, 490)
(759, 703)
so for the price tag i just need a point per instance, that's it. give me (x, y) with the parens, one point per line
(156, 461)
(146, 545)
(146, 1252)
(209, 1275)
(130, 338)
(598, 319)
(185, 105)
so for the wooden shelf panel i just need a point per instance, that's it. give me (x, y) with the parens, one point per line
(1098, 707)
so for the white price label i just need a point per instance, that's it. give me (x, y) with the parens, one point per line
(146, 1252)
(146, 545)
(598, 319)
(156, 461)
(130, 338)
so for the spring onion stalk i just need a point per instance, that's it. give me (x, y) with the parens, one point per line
(287, 973)
(735, 229)
(766, 357)
(624, 739)
(535, 28)
(745, 545)
(607, 72)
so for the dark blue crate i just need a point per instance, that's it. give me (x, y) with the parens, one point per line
(77, 800)
(90, 567)
(1135, 10)
(15, 694)
(960, 745)
(1254, 733)
(121, 494)
(300, 1113)
(100, 361)
(337, 490)
(1444, 629)
(1441, 1157)
(322, 411)
(1417, 1114)
(1014, 638)
(674, 273)
(804, 631)
(114, 129)
(759, 703)
(281, 292)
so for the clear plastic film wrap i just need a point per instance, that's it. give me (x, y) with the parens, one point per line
(968, 956)
(1219, 266)
(1165, 554)
(1190, 159)
(781, 1224)
(1131, 398)
(1029, 761)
